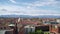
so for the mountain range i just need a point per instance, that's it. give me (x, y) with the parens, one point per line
(28, 16)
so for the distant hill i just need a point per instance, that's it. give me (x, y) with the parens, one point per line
(28, 16)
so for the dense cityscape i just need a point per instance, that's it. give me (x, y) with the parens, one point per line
(30, 25)
(29, 16)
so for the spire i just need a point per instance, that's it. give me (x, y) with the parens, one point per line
(18, 19)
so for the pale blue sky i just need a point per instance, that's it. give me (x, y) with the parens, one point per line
(29, 7)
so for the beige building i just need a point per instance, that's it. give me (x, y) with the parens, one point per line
(58, 20)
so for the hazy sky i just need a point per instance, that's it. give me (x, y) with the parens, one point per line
(29, 7)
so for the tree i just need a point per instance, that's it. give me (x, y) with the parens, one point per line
(39, 32)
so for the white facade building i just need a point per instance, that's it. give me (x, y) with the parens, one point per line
(58, 20)
(29, 28)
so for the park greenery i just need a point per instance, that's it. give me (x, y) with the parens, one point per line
(39, 32)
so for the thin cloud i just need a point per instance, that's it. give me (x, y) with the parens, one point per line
(43, 3)
(31, 8)
(23, 11)
(13, 1)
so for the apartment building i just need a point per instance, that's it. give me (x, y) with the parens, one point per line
(55, 28)
(58, 20)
